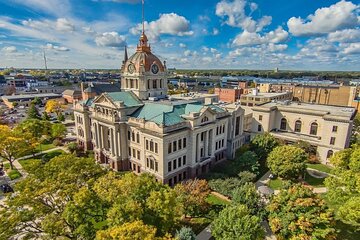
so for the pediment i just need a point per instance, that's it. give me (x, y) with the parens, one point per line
(105, 101)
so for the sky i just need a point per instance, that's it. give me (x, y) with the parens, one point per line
(190, 34)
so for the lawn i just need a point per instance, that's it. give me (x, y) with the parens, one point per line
(44, 147)
(12, 174)
(315, 182)
(320, 167)
(215, 200)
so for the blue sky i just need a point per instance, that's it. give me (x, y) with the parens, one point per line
(214, 34)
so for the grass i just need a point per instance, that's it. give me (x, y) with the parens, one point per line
(315, 182)
(44, 147)
(12, 173)
(215, 200)
(276, 184)
(320, 167)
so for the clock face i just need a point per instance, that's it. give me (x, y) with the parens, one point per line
(131, 68)
(154, 68)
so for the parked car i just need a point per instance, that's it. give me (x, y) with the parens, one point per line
(6, 188)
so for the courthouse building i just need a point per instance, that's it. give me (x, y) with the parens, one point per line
(140, 129)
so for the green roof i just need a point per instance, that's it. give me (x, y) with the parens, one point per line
(129, 99)
(167, 115)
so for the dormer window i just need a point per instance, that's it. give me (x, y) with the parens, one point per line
(204, 119)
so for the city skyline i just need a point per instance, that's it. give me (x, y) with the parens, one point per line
(218, 34)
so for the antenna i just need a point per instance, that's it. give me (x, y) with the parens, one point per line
(45, 61)
(143, 16)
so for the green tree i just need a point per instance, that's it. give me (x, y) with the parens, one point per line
(236, 222)
(56, 201)
(36, 101)
(263, 144)
(58, 130)
(73, 147)
(185, 233)
(35, 128)
(287, 162)
(248, 196)
(45, 116)
(298, 213)
(61, 117)
(250, 161)
(344, 185)
(33, 112)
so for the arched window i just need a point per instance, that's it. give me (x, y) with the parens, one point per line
(298, 126)
(283, 124)
(314, 128)
(205, 119)
(329, 154)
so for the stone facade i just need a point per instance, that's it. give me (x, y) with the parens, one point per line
(328, 128)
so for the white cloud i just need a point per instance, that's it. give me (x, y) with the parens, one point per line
(61, 24)
(352, 48)
(119, 1)
(234, 14)
(182, 45)
(10, 49)
(215, 31)
(345, 36)
(339, 16)
(110, 39)
(50, 46)
(169, 23)
(251, 38)
(54, 7)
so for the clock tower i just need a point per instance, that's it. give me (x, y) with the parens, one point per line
(143, 73)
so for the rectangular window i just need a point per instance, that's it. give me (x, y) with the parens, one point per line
(152, 164)
(129, 135)
(147, 145)
(184, 160)
(170, 182)
(174, 146)
(138, 138)
(184, 142)
(259, 128)
(169, 166)
(179, 162)
(151, 146)
(147, 163)
(202, 136)
(332, 141)
(133, 136)
(174, 164)
(335, 128)
(129, 152)
(180, 177)
(175, 180)
(133, 153)
(138, 169)
(156, 166)
(201, 152)
(237, 126)
(138, 154)
(217, 130)
(156, 148)
(169, 148)
(184, 175)
(260, 117)
(179, 143)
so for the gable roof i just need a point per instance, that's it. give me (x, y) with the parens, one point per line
(100, 88)
(129, 99)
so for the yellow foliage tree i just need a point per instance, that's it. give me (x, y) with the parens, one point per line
(54, 106)
(14, 145)
(136, 230)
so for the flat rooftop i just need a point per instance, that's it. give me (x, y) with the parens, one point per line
(265, 95)
(30, 96)
(193, 95)
(340, 111)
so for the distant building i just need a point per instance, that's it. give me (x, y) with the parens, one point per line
(93, 89)
(255, 98)
(71, 96)
(25, 99)
(229, 95)
(328, 128)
